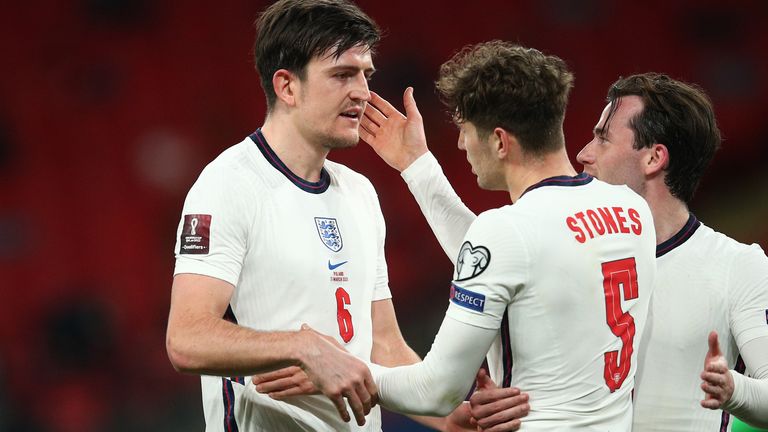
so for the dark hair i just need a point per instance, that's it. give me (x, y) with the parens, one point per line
(678, 115)
(499, 84)
(291, 32)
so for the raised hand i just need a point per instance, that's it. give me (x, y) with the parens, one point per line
(497, 409)
(717, 380)
(338, 375)
(282, 383)
(398, 139)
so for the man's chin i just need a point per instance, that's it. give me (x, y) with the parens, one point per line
(341, 142)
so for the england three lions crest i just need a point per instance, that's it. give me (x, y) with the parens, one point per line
(328, 229)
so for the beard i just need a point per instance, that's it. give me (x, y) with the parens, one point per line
(332, 142)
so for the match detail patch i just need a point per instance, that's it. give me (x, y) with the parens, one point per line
(468, 299)
(471, 261)
(196, 234)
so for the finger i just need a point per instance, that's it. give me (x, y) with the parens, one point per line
(276, 385)
(512, 425)
(369, 126)
(277, 374)
(493, 395)
(714, 378)
(383, 105)
(714, 345)
(712, 404)
(504, 416)
(282, 394)
(356, 405)
(712, 390)
(341, 407)
(411, 110)
(374, 115)
(484, 381)
(365, 397)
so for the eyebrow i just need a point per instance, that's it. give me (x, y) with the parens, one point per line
(348, 68)
(600, 132)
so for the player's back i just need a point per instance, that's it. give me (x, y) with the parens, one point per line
(577, 258)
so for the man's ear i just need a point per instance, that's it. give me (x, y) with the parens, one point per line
(656, 160)
(504, 143)
(286, 85)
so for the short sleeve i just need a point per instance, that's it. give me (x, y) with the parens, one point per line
(213, 232)
(748, 290)
(491, 267)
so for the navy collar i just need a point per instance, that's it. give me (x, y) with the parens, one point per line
(269, 154)
(676, 240)
(577, 180)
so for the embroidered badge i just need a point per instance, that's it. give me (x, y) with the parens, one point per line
(468, 299)
(472, 261)
(328, 229)
(195, 234)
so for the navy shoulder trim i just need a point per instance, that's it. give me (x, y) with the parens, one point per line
(577, 180)
(676, 240)
(269, 154)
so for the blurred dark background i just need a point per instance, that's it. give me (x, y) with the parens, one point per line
(109, 109)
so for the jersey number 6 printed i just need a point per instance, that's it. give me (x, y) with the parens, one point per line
(343, 317)
(618, 276)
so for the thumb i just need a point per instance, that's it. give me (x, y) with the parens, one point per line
(411, 110)
(484, 382)
(714, 345)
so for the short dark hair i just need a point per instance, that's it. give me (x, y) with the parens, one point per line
(499, 84)
(289, 33)
(678, 115)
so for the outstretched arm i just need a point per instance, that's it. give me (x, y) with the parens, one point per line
(438, 384)
(742, 396)
(400, 141)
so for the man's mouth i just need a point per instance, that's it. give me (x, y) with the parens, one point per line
(352, 113)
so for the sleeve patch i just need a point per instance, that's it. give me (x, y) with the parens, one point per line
(472, 261)
(468, 299)
(196, 234)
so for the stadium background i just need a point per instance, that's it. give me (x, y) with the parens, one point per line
(110, 108)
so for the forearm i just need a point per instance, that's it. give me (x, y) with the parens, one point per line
(446, 214)
(437, 385)
(749, 401)
(212, 346)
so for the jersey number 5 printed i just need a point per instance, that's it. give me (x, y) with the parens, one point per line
(619, 276)
(343, 317)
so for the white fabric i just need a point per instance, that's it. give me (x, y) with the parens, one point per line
(441, 381)
(709, 282)
(265, 241)
(749, 401)
(446, 214)
(553, 288)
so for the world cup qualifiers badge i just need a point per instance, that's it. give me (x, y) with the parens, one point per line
(196, 234)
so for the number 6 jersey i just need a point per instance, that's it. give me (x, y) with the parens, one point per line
(296, 252)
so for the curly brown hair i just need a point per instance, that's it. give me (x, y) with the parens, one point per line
(500, 84)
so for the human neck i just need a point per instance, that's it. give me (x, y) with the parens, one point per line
(302, 157)
(669, 213)
(529, 171)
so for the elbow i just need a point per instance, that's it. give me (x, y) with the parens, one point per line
(179, 354)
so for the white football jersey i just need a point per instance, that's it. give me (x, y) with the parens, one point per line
(296, 252)
(706, 281)
(566, 275)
